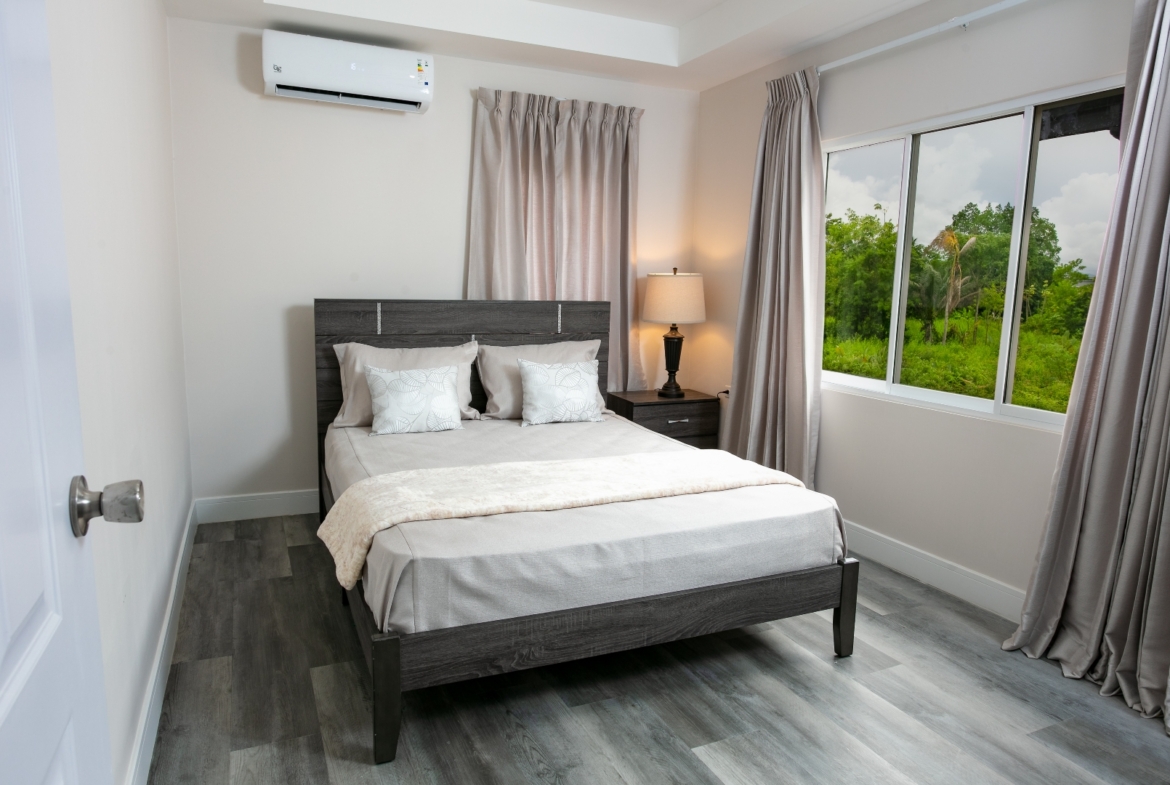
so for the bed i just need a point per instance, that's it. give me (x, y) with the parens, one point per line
(450, 600)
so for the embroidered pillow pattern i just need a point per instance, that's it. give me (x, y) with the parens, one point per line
(561, 392)
(414, 401)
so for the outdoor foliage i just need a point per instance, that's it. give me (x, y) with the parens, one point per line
(955, 302)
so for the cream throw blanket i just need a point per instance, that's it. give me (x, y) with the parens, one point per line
(378, 503)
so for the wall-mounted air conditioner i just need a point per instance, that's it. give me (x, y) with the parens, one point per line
(321, 69)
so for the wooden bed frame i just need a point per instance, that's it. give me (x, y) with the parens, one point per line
(400, 662)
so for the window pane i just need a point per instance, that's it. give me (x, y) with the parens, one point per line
(1076, 175)
(962, 227)
(862, 193)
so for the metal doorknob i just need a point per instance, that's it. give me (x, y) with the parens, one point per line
(121, 502)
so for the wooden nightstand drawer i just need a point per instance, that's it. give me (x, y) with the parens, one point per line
(692, 419)
(679, 419)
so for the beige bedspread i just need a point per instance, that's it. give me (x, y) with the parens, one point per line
(381, 502)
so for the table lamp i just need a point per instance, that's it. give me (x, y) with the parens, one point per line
(673, 299)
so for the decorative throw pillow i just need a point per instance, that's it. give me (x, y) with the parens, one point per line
(561, 392)
(415, 401)
(353, 358)
(501, 376)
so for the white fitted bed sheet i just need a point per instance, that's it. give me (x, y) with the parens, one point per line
(428, 575)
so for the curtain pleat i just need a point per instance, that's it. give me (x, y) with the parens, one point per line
(512, 250)
(774, 408)
(597, 165)
(1099, 598)
(554, 194)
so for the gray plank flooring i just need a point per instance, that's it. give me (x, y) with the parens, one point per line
(268, 685)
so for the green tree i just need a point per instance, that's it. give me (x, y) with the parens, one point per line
(1064, 301)
(859, 274)
(988, 262)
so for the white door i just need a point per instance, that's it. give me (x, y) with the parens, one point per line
(52, 698)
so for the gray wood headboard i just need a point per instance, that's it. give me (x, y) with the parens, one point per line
(403, 323)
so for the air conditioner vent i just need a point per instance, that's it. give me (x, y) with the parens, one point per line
(313, 93)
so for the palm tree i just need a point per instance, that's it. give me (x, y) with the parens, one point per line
(948, 242)
(930, 287)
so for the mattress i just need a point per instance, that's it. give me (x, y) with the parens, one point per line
(428, 575)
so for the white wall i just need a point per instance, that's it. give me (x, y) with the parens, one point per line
(110, 84)
(280, 201)
(961, 488)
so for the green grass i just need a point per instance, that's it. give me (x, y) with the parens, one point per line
(1044, 370)
(857, 356)
(1044, 363)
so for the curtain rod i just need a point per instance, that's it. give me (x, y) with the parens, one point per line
(958, 21)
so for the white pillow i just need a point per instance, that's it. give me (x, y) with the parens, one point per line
(354, 357)
(560, 392)
(501, 376)
(415, 401)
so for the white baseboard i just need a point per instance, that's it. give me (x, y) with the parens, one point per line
(976, 588)
(255, 505)
(152, 708)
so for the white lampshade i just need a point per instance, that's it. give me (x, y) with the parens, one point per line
(674, 298)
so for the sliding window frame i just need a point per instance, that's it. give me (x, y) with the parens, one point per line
(1017, 261)
(901, 287)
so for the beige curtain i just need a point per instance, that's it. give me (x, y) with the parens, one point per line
(554, 194)
(1099, 599)
(512, 247)
(774, 411)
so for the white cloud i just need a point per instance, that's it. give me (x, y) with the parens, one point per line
(843, 193)
(1081, 214)
(959, 166)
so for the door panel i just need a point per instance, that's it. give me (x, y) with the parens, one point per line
(53, 725)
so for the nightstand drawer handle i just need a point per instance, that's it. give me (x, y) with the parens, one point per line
(672, 422)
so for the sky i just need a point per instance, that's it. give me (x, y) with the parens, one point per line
(1075, 180)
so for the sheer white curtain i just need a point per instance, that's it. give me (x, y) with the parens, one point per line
(554, 193)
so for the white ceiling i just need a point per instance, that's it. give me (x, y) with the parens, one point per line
(664, 12)
(693, 44)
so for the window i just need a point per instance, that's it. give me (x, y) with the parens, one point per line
(862, 194)
(935, 283)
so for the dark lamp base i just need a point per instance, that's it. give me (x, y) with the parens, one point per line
(672, 342)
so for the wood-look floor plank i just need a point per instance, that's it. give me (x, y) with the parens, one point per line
(272, 692)
(884, 591)
(205, 617)
(814, 633)
(324, 626)
(194, 730)
(299, 761)
(546, 732)
(640, 745)
(224, 531)
(262, 552)
(505, 746)
(300, 529)
(965, 649)
(443, 752)
(342, 698)
(1141, 754)
(755, 758)
(691, 709)
(990, 736)
(809, 741)
(908, 744)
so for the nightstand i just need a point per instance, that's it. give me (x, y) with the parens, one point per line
(692, 419)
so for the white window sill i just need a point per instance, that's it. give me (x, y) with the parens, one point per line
(951, 403)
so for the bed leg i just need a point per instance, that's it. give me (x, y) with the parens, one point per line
(386, 670)
(845, 614)
(344, 597)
